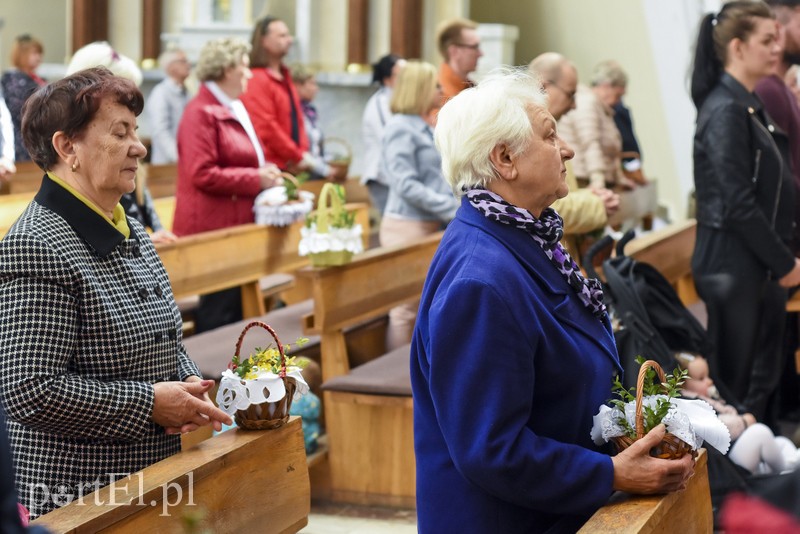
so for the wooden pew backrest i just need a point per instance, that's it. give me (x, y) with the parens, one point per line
(241, 481)
(27, 179)
(161, 179)
(670, 250)
(366, 288)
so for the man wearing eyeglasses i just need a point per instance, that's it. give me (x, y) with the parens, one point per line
(460, 47)
(583, 210)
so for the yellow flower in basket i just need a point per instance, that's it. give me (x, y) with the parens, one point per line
(330, 236)
(258, 391)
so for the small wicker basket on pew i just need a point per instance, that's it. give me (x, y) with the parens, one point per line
(340, 158)
(261, 402)
(331, 235)
(671, 446)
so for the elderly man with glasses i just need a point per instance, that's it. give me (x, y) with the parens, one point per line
(460, 47)
(583, 210)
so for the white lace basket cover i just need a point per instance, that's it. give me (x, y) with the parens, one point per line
(694, 421)
(236, 393)
(273, 208)
(334, 240)
(321, 236)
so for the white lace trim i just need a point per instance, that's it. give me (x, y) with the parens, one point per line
(335, 240)
(273, 208)
(236, 393)
(694, 421)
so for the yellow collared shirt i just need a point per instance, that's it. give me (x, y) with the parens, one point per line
(119, 221)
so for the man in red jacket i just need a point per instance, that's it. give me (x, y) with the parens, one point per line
(271, 98)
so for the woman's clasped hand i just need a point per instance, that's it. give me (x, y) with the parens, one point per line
(182, 407)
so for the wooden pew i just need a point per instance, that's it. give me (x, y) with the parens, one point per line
(238, 256)
(27, 179)
(241, 257)
(161, 179)
(670, 250)
(368, 411)
(685, 511)
(237, 481)
(366, 288)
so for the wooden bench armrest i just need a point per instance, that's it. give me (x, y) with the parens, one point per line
(242, 481)
(684, 511)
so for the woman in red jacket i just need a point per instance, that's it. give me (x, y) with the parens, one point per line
(221, 164)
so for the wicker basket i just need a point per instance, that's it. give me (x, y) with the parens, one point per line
(671, 446)
(340, 163)
(325, 215)
(266, 415)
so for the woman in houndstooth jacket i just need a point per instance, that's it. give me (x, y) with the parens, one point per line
(94, 377)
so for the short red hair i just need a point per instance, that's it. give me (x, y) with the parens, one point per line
(23, 45)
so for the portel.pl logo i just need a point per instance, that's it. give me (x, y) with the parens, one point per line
(120, 486)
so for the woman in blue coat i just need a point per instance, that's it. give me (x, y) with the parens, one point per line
(512, 352)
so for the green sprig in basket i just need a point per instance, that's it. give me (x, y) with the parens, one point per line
(671, 446)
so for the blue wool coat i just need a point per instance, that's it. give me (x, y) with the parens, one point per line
(507, 368)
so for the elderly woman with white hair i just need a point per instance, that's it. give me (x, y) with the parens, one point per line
(512, 352)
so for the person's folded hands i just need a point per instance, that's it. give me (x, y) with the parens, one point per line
(185, 406)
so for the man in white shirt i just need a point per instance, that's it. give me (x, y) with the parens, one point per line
(165, 105)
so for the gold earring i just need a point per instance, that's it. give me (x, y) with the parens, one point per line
(74, 166)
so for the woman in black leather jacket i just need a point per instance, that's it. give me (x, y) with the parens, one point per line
(742, 261)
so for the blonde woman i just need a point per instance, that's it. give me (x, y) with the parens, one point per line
(420, 202)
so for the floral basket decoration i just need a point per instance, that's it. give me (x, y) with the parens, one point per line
(339, 158)
(689, 423)
(284, 204)
(330, 236)
(258, 391)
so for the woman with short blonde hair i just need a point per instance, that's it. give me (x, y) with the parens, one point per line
(219, 55)
(416, 87)
(420, 201)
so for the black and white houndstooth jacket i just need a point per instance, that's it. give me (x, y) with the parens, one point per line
(87, 324)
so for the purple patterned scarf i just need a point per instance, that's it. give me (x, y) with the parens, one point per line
(547, 231)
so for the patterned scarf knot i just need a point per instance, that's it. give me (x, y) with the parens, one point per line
(547, 231)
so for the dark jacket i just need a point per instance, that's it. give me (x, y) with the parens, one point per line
(744, 186)
(88, 323)
(783, 108)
